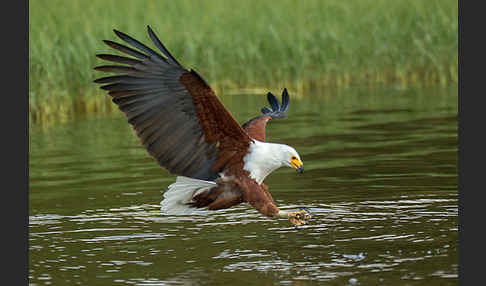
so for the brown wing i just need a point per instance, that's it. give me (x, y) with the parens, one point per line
(174, 112)
(256, 126)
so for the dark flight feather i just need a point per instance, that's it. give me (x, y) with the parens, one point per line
(174, 112)
(256, 126)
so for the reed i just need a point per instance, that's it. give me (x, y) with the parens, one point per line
(243, 44)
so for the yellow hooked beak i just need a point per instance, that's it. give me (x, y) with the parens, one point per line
(297, 164)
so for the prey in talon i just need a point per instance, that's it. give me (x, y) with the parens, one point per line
(299, 218)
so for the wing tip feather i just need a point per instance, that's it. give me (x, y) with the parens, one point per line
(277, 110)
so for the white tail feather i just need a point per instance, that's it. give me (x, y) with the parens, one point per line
(181, 192)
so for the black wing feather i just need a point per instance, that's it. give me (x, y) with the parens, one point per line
(278, 110)
(138, 45)
(159, 107)
(285, 100)
(256, 126)
(118, 59)
(161, 46)
(126, 50)
(273, 101)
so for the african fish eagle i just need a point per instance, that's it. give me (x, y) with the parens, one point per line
(185, 127)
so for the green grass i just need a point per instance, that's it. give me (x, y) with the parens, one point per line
(243, 44)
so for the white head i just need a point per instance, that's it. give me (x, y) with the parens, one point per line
(290, 158)
(264, 158)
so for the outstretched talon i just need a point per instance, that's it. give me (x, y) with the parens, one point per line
(298, 218)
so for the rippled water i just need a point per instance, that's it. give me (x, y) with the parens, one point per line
(380, 180)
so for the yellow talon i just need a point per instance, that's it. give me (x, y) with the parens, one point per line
(298, 218)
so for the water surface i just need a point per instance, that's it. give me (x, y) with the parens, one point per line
(380, 180)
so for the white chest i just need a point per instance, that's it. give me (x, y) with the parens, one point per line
(261, 160)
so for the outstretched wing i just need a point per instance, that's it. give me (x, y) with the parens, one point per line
(174, 112)
(256, 126)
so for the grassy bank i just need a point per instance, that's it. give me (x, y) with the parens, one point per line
(243, 44)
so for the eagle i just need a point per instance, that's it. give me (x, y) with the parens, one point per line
(183, 125)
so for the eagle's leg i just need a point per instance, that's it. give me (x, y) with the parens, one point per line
(297, 218)
(260, 198)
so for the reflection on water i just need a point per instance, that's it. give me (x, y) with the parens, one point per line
(380, 180)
